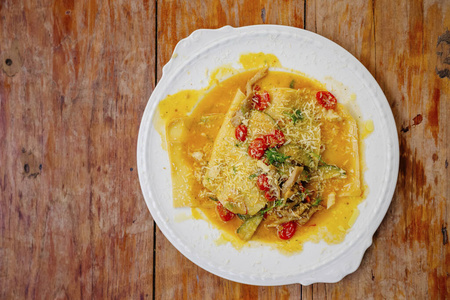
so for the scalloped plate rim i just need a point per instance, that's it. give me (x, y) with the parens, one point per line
(148, 115)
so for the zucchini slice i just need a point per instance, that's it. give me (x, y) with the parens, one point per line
(248, 228)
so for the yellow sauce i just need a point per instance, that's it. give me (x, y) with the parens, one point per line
(191, 106)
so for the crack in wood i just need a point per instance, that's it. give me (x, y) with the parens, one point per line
(444, 235)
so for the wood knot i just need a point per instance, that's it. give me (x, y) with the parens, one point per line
(417, 120)
(435, 157)
(31, 167)
(11, 61)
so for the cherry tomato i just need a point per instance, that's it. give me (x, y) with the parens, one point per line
(257, 148)
(275, 139)
(256, 100)
(271, 140)
(279, 136)
(287, 231)
(263, 182)
(241, 133)
(224, 213)
(269, 196)
(261, 102)
(326, 99)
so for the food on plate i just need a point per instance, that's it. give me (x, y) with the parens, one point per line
(266, 164)
(263, 152)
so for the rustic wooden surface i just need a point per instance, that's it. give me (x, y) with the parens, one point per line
(75, 79)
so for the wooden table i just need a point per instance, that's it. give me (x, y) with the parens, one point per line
(75, 79)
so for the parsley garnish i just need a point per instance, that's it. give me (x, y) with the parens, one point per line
(252, 176)
(295, 116)
(234, 170)
(278, 202)
(269, 207)
(274, 157)
(317, 202)
(213, 199)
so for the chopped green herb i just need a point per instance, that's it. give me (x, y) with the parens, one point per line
(292, 84)
(213, 199)
(279, 202)
(272, 206)
(295, 116)
(317, 202)
(237, 145)
(253, 176)
(274, 157)
(234, 170)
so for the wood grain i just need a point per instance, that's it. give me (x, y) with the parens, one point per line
(72, 221)
(396, 41)
(75, 78)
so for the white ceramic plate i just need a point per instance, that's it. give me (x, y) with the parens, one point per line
(319, 58)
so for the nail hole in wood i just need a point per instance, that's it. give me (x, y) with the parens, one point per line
(8, 62)
(26, 168)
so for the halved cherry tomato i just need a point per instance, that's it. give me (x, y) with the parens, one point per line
(257, 148)
(271, 140)
(241, 133)
(269, 196)
(256, 100)
(266, 98)
(261, 102)
(224, 213)
(326, 99)
(287, 231)
(263, 182)
(279, 136)
(275, 139)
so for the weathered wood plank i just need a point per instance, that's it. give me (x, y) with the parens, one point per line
(72, 219)
(175, 276)
(178, 19)
(75, 77)
(396, 41)
(412, 241)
